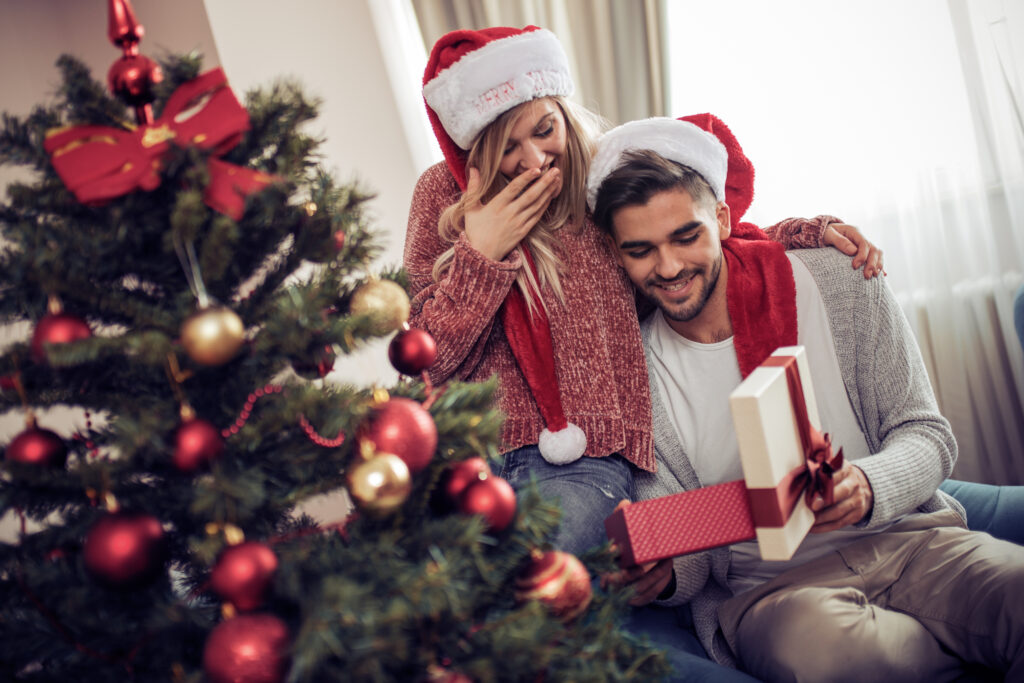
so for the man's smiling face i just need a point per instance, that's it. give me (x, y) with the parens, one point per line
(671, 248)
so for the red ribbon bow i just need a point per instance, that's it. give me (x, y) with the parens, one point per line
(773, 507)
(98, 163)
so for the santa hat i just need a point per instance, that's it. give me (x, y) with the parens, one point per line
(674, 139)
(473, 77)
(529, 336)
(739, 182)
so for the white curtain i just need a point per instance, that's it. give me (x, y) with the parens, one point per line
(905, 120)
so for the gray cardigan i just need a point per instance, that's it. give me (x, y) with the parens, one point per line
(912, 445)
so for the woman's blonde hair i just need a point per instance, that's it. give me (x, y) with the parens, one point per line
(566, 210)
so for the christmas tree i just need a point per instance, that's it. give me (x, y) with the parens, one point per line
(189, 278)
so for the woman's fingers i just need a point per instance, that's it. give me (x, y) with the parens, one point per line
(495, 228)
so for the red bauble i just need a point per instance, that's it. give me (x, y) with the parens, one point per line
(339, 239)
(57, 328)
(132, 78)
(461, 474)
(320, 365)
(493, 498)
(558, 580)
(36, 446)
(125, 549)
(402, 427)
(243, 574)
(412, 351)
(196, 443)
(250, 648)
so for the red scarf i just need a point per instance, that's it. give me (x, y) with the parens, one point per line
(761, 297)
(761, 294)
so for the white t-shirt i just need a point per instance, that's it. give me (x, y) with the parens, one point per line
(695, 380)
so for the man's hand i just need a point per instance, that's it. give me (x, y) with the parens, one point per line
(847, 239)
(853, 500)
(647, 580)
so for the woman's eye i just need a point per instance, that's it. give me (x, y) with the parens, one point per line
(639, 254)
(546, 132)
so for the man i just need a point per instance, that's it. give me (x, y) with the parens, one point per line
(889, 585)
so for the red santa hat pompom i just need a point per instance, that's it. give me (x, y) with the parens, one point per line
(473, 77)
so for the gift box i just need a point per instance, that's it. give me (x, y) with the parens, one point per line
(682, 523)
(766, 415)
(785, 459)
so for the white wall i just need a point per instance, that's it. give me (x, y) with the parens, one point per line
(331, 47)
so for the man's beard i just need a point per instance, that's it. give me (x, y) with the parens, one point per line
(693, 306)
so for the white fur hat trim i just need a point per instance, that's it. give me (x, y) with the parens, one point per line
(676, 140)
(564, 446)
(492, 79)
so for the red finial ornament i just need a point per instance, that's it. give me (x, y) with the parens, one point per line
(132, 77)
(123, 29)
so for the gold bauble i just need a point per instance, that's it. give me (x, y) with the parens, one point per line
(213, 335)
(385, 300)
(380, 484)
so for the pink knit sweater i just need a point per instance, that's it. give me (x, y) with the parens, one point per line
(599, 357)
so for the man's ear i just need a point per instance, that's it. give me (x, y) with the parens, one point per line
(724, 217)
(614, 248)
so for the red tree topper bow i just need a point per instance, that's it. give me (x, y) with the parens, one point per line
(772, 507)
(98, 163)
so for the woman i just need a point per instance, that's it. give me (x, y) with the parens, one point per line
(512, 278)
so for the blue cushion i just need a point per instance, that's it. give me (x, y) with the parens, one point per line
(998, 510)
(1018, 314)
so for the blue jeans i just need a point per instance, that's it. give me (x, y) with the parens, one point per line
(586, 490)
(998, 510)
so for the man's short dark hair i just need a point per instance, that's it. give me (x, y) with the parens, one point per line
(642, 175)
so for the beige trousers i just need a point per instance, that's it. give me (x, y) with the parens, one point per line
(925, 600)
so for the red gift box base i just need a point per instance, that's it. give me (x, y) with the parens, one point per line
(682, 523)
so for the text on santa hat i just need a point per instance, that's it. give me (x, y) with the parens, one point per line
(533, 83)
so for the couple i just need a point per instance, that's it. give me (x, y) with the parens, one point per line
(513, 277)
